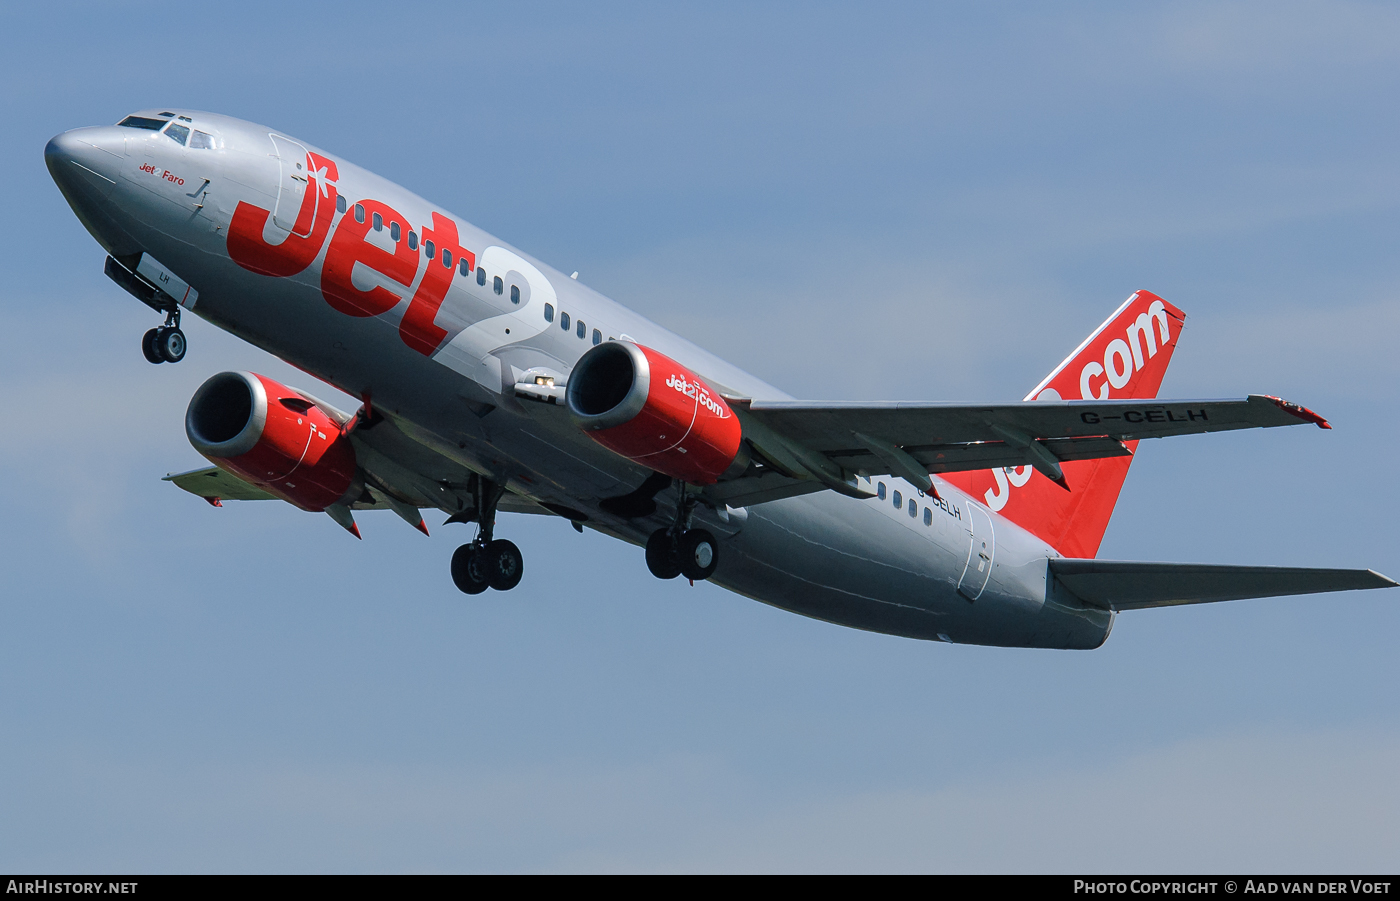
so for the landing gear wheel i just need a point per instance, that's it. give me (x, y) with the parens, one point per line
(502, 564)
(698, 554)
(661, 555)
(467, 572)
(170, 344)
(148, 346)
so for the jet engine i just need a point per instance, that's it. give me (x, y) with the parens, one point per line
(268, 434)
(655, 412)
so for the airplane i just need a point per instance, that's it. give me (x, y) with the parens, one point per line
(490, 382)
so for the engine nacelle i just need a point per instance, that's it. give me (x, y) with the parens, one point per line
(653, 411)
(267, 434)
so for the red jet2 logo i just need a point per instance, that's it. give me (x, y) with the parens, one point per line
(348, 247)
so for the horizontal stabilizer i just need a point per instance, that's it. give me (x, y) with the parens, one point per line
(1122, 585)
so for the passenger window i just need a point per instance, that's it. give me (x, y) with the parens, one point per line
(429, 249)
(177, 133)
(913, 508)
(582, 329)
(880, 490)
(412, 240)
(515, 294)
(564, 321)
(463, 268)
(394, 231)
(497, 285)
(898, 500)
(481, 276)
(928, 516)
(548, 312)
(597, 337)
(202, 141)
(377, 221)
(340, 203)
(359, 213)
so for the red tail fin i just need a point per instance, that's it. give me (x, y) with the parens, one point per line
(1125, 357)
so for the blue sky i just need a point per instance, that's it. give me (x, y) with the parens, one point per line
(860, 201)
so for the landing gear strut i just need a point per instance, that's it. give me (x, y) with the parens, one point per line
(679, 550)
(167, 343)
(486, 562)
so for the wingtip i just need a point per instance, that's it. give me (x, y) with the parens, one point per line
(422, 527)
(355, 530)
(1387, 580)
(1300, 411)
(1061, 482)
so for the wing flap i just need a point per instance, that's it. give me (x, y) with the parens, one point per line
(981, 454)
(771, 486)
(1123, 585)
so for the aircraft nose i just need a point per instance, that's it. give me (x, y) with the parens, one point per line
(85, 160)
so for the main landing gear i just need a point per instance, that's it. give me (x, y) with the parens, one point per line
(486, 563)
(167, 343)
(679, 550)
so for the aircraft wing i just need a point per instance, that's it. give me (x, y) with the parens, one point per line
(1121, 585)
(827, 427)
(214, 484)
(829, 442)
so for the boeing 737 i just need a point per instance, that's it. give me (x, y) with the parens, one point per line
(489, 382)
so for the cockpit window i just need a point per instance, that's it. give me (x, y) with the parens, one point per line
(142, 122)
(201, 141)
(177, 133)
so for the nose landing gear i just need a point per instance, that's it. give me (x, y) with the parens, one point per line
(486, 562)
(167, 343)
(682, 551)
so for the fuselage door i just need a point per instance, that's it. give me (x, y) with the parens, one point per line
(980, 552)
(291, 188)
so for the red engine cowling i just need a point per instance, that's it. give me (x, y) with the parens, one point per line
(653, 411)
(267, 434)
